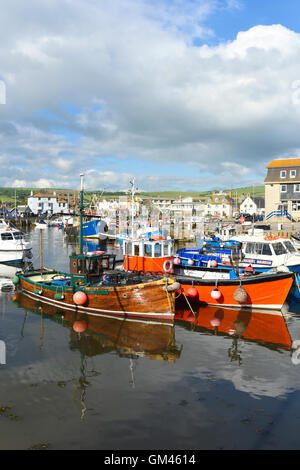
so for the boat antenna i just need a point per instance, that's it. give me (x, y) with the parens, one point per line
(133, 190)
(81, 213)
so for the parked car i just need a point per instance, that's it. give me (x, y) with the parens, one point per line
(247, 217)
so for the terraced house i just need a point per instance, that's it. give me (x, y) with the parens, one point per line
(282, 189)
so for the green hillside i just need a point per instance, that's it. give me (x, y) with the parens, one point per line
(10, 195)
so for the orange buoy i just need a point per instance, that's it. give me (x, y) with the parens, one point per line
(79, 326)
(213, 263)
(80, 298)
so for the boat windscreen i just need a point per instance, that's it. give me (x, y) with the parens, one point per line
(290, 247)
(279, 248)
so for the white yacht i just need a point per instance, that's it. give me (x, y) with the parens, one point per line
(13, 246)
(264, 252)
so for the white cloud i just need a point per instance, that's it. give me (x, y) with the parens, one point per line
(160, 99)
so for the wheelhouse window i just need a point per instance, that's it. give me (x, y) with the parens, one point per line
(258, 249)
(18, 235)
(148, 249)
(157, 250)
(279, 248)
(283, 174)
(6, 236)
(290, 247)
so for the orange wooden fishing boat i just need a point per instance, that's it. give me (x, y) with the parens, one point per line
(94, 286)
(98, 289)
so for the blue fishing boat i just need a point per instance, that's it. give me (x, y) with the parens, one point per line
(94, 228)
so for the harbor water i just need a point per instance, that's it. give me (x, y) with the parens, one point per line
(220, 380)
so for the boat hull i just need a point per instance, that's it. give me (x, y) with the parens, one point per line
(139, 301)
(263, 291)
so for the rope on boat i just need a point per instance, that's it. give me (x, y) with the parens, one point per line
(190, 307)
(166, 289)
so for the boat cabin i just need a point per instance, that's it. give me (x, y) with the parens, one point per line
(90, 267)
(148, 256)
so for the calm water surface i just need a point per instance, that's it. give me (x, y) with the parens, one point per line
(225, 380)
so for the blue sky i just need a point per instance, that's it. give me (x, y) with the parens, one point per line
(227, 23)
(182, 94)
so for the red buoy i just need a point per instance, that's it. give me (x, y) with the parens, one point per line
(177, 260)
(213, 263)
(80, 298)
(79, 326)
(192, 292)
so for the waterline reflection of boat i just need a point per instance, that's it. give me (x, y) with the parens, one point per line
(102, 334)
(267, 328)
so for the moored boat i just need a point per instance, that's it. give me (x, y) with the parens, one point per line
(94, 286)
(211, 286)
(13, 247)
(263, 290)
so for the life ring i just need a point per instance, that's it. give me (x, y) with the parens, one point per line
(106, 278)
(168, 266)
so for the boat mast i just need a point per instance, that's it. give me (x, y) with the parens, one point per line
(132, 206)
(81, 214)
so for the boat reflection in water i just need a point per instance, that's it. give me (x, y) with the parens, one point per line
(95, 335)
(266, 327)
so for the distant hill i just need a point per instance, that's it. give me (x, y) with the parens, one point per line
(10, 195)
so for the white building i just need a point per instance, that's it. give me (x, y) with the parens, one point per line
(255, 205)
(219, 205)
(47, 204)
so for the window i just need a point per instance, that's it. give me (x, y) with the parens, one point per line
(279, 249)
(283, 174)
(157, 250)
(6, 236)
(296, 188)
(292, 173)
(258, 249)
(148, 250)
(290, 247)
(18, 235)
(295, 206)
(283, 188)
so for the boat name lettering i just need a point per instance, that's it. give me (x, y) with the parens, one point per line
(257, 261)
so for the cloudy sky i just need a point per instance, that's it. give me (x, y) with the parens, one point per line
(181, 94)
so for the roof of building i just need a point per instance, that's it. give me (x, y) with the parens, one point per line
(44, 195)
(284, 162)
